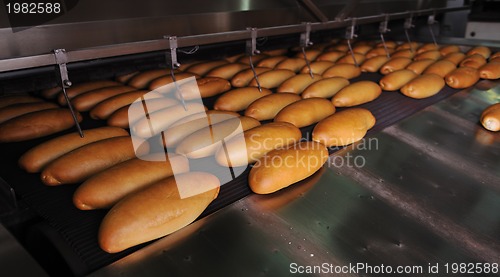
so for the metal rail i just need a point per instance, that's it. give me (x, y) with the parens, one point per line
(114, 50)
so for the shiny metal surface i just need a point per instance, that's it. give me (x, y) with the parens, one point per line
(14, 260)
(423, 191)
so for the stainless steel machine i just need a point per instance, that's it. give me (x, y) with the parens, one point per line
(418, 197)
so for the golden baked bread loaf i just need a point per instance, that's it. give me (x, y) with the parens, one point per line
(281, 168)
(127, 115)
(297, 84)
(203, 68)
(157, 211)
(490, 118)
(158, 83)
(243, 78)
(474, 61)
(6, 101)
(423, 86)
(344, 127)
(305, 112)
(206, 87)
(16, 110)
(78, 165)
(346, 70)
(330, 56)
(238, 99)
(379, 51)
(124, 78)
(273, 78)
(271, 62)
(106, 188)
(350, 60)
(50, 93)
(227, 71)
(405, 53)
(107, 107)
(490, 71)
(293, 64)
(142, 79)
(395, 63)
(455, 57)
(87, 100)
(447, 49)
(78, 89)
(462, 77)
(440, 68)
(427, 47)
(419, 66)
(39, 156)
(373, 64)
(397, 79)
(37, 124)
(481, 50)
(356, 94)
(325, 88)
(317, 67)
(267, 107)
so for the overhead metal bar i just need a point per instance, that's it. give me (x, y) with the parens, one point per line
(114, 50)
(314, 10)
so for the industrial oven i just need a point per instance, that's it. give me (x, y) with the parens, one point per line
(419, 195)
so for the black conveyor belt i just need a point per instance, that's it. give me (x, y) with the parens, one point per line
(74, 233)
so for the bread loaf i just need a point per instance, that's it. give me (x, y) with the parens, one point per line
(484, 51)
(423, 86)
(80, 164)
(50, 93)
(490, 71)
(39, 156)
(408, 46)
(86, 101)
(462, 77)
(344, 127)
(243, 78)
(124, 78)
(440, 68)
(203, 68)
(474, 61)
(362, 49)
(490, 118)
(305, 112)
(106, 188)
(311, 54)
(395, 63)
(128, 115)
(273, 78)
(107, 107)
(16, 110)
(356, 94)
(206, 87)
(158, 83)
(405, 53)
(206, 141)
(78, 89)
(379, 51)
(255, 58)
(238, 99)
(373, 64)
(157, 211)
(293, 64)
(455, 57)
(419, 66)
(427, 47)
(6, 101)
(317, 67)
(36, 124)
(271, 62)
(227, 71)
(331, 56)
(347, 71)
(281, 168)
(348, 58)
(297, 84)
(397, 79)
(447, 49)
(257, 142)
(142, 79)
(266, 108)
(325, 88)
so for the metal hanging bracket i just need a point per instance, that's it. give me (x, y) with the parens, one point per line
(305, 41)
(350, 33)
(431, 20)
(382, 30)
(407, 26)
(62, 73)
(173, 64)
(251, 49)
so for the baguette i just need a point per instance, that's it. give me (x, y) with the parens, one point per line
(37, 124)
(490, 71)
(6, 101)
(325, 88)
(373, 64)
(105, 189)
(356, 94)
(474, 61)
(440, 68)
(238, 99)
(427, 47)
(50, 93)
(203, 68)
(78, 89)
(490, 118)
(142, 79)
(86, 101)
(423, 86)
(344, 127)
(447, 49)
(297, 84)
(107, 107)
(206, 87)
(178, 132)
(350, 60)
(80, 164)
(317, 67)
(293, 64)
(268, 176)
(271, 62)
(484, 51)
(462, 77)
(379, 51)
(255, 58)
(272, 79)
(305, 112)
(206, 141)
(157, 121)
(419, 66)
(126, 77)
(39, 156)
(158, 83)
(405, 53)
(331, 56)
(16, 110)
(311, 54)
(203, 115)
(347, 71)
(395, 64)
(227, 71)
(157, 211)
(257, 142)
(242, 78)
(267, 107)
(455, 57)
(128, 115)
(397, 79)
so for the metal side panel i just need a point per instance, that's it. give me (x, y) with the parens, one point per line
(422, 194)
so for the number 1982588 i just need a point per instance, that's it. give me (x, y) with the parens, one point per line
(34, 8)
